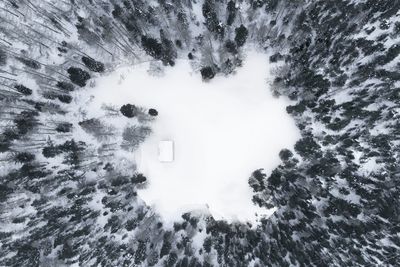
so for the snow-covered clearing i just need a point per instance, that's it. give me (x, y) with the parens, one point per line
(222, 130)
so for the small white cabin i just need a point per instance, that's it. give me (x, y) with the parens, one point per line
(166, 151)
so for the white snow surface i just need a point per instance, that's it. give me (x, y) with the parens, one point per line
(222, 130)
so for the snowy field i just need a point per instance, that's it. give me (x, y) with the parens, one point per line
(222, 130)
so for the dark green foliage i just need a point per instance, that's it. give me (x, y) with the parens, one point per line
(72, 150)
(241, 35)
(67, 252)
(307, 147)
(271, 5)
(27, 255)
(275, 178)
(327, 166)
(92, 64)
(64, 127)
(26, 121)
(140, 254)
(152, 47)
(285, 154)
(172, 258)
(215, 227)
(164, 50)
(65, 86)
(296, 109)
(166, 248)
(169, 51)
(207, 73)
(23, 89)
(50, 151)
(256, 180)
(275, 57)
(78, 76)
(207, 245)
(4, 192)
(3, 58)
(257, 3)
(65, 98)
(29, 63)
(212, 22)
(153, 112)
(9, 135)
(312, 83)
(129, 110)
(231, 47)
(119, 181)
(231, 10)
(131, 224)
(24, 157)
(138, 179)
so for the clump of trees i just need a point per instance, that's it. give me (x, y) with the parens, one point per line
(92, 64)
(23, 89)
(129, 110)
(207, 73)
(78, 76)
(241, 35)
(164, 50)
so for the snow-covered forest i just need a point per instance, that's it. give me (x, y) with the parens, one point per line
(70, 189)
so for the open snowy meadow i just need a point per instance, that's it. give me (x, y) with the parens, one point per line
(222, 131)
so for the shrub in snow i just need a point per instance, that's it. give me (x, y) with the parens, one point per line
(23, 89)
(129, 110)
(93, 65)
(285, 154)
(178, 43)
(65, 86)
(156, 69)
(275, 57)
(153, 112)
(207, 73)
(65, 98)
(29, 63)
(256, 180)
(64, 127)
(119, 181)
(138, 179)
(78, 76)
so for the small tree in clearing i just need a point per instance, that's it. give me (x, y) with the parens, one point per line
(207, 73)
(133, 136)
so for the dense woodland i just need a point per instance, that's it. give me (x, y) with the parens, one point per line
(68, 195)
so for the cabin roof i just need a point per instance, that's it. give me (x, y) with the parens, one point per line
(166, 151)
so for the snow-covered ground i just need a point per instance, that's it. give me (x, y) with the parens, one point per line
(223, 130)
